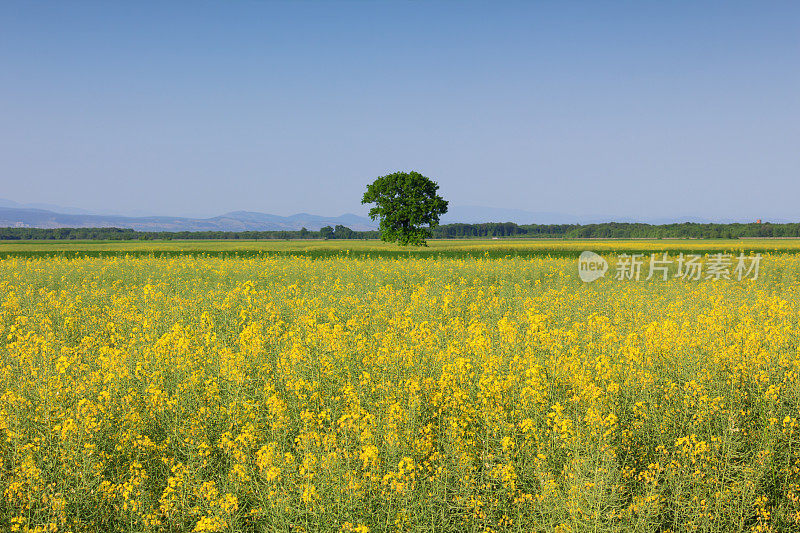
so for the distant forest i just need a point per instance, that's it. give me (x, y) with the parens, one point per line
(613, 230)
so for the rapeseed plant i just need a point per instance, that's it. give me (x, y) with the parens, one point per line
(357, 394)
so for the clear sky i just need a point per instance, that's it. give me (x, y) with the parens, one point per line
(635, 109)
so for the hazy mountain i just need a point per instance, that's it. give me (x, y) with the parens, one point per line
(49, 207)
(28, 215)
(474, 214)
(235, 221)
(300, 220)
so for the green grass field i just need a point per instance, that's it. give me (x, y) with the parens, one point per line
(445, 248)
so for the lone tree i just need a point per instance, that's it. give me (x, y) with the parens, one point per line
(407, 205)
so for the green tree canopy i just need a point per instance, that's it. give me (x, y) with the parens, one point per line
(343, 232)
(407, 205)
(326, 232)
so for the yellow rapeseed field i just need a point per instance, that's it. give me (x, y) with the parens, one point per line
(377, 394)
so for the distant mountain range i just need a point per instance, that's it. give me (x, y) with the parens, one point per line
(475, 214)
(48, 207)
(234, 221)
(13, 214)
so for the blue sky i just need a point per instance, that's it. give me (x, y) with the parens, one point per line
(631, 109)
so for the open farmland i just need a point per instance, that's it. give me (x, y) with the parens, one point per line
(473, 386)
(436, 247)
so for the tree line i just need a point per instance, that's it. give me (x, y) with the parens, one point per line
(618, 230)
(125, 234)
(608, 230)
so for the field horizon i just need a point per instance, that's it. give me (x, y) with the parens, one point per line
(436, 247)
